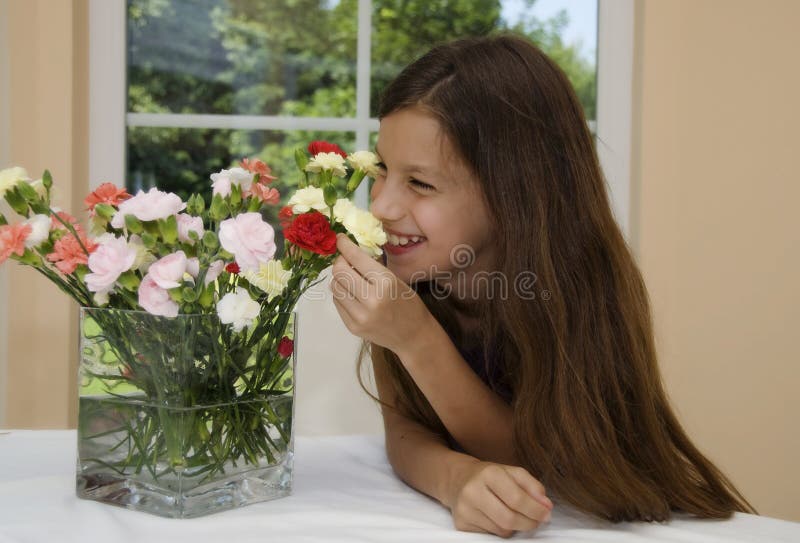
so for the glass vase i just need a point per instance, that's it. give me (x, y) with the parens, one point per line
(185, 416)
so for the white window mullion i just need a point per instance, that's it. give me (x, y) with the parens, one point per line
(615, 103)
(363, 84)
(107, 91)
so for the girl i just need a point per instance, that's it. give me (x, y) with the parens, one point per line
(510, 329)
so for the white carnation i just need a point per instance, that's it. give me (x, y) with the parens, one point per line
(333, 162)
(238, 309)
(307, 199)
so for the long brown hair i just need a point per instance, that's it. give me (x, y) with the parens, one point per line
(591, 419)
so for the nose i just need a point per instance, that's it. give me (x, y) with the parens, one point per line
(386, 201)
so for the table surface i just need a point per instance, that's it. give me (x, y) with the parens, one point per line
(343, 490)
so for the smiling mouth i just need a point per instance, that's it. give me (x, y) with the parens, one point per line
(403, 241)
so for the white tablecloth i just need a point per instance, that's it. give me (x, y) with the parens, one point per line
(344, 490)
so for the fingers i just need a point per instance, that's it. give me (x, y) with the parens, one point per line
(516, 500)
(358, 259)
(531, 485)
(347, 283)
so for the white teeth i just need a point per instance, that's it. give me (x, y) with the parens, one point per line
(400, 240)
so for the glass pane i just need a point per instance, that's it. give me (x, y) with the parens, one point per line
(250, 57)
(565, 29)
(181, 160)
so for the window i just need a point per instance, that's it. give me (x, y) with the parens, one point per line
(210, 81)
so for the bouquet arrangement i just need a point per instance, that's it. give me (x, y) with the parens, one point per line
(187, 315)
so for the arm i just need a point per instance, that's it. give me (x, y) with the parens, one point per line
(473, 413)
(482, 497)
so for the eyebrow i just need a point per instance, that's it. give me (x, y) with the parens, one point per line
(414, 168)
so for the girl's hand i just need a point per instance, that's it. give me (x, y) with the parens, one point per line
(497, 499)
(373, 303)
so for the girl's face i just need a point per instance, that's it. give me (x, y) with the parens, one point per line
(425, 191)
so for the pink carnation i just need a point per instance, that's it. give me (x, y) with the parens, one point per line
(267, 195)
(148, 206)
(68, 254)
(12, 240)
(111, 259)
(167, 272)
(249, 239)
(156, 300)
(189, 223)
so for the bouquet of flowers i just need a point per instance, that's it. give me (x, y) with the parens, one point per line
(187, 329)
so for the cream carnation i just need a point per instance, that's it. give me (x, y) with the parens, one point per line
(365, 161)
(10, 177)
(333, 162)
(342, 208)
(367, 230)
(270, 277)
(40, 230)
(309, 198)
(238, 309)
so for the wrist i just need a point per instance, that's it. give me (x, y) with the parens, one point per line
(455, 477)
(429, 336)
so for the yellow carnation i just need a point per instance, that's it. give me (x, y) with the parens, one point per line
(367, 230)
(365, 161)
(270, 277)
(10, 177)
(307, 199)
(327, 162)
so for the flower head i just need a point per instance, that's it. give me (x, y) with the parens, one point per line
(40, 230)
(148, 206)
(267, 195)
(68, 254)
(365, 161)
(155, 300)
(10, 177)
(285, 347)
(306, 199)
(107, 193)
(270, 277)
(189, 223)
(254, 165)
(113, 257)
(367, 230)
(249, 239)
(317, 147)
(333, 162)
(167, 272)
(12, 239)
(312, 231)
(223, 180)
(238, 308)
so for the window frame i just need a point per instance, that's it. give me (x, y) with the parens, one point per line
(108, 116)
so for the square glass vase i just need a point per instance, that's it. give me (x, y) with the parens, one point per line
(184, 416)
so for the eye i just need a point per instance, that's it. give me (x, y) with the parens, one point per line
(420, 185)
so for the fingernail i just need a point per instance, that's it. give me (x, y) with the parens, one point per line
(546, 501)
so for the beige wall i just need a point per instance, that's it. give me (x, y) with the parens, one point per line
(718, 233)
(715, 230)
(47, 122)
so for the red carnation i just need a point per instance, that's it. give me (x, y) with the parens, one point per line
(317, 147)
(286, 347)
(312, 231)
(285, 215)
(233, 268)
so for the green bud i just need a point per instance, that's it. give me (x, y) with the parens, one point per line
(175, 294)
(189, 294)
(355, 180)
(301, 159)
(254, 205)
(325, 178)
(207, 296)
(30, 258)
(47, 179)
(217, 210)
(169, 229)
(80, 272)
(331, 194)
(129, 280)
(16, 201)
(133, 224)
(286, 264)
(105, 211)
(3, 220)
(196, 205)
(27, 191)
(40, 207)
(210, 240)
(236, 196)
(149, 240)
